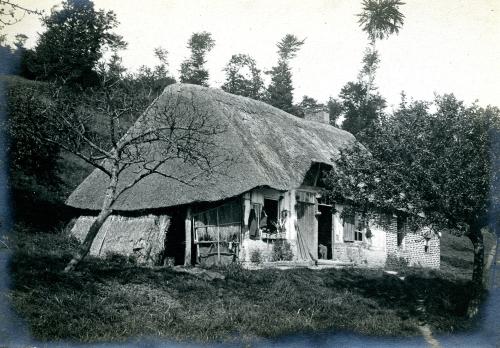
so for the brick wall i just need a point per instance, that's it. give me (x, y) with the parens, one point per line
(413, 248)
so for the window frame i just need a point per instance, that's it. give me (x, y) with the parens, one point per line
(349, 222)
(270, 219)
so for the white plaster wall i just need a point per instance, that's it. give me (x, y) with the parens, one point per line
(372, 251)
(286, 203)
(378, 240)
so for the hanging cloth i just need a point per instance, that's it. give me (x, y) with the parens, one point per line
(263, 219)
(252, 224)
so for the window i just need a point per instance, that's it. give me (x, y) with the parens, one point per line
(401, 229)
(348, 228)
(271, 211)
(358, 234)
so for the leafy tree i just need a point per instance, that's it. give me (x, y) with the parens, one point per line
(193, 68)
(306, 104)
(280, 90)
(335, 109)
(309, 103)
(155, 79)
(25, 101)
(75, 39)
(243, 77)
(360, 113)
(11, 56)
(437, 166)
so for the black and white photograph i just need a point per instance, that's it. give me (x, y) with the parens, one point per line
(249, 173)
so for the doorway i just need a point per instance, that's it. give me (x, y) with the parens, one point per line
(176, 238)
(325, 229)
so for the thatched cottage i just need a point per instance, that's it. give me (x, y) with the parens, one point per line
(269, 195)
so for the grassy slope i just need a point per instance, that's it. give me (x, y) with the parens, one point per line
(457, 256)
(113, 299)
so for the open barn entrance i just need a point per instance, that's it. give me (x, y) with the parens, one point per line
(325, 231)
(175, 241)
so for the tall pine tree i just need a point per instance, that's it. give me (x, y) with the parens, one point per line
(280, 90)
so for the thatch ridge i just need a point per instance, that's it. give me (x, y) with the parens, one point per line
(270, 147)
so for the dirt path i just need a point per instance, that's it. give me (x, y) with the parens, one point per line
(427, 333)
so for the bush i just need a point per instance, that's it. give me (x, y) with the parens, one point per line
(26, 101)
(396, 262)
(256, 256)
(282, 251)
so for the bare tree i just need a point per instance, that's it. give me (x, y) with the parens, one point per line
(94, 125)
(11, 12)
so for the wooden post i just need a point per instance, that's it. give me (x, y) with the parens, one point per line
(333, 229)
(218, 238)
(188, 233)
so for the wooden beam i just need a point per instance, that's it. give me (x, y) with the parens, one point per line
(188, 233)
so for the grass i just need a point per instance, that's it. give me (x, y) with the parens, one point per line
(457, 255)
(114, 299)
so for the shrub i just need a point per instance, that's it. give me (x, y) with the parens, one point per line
(282, 251)
(256, 256)
(396, 262)
(26, 101)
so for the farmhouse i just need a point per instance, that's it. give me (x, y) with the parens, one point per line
(268, 198)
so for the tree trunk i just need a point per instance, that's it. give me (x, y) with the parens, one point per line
(370, 74)
(476, 238)
(97, 224)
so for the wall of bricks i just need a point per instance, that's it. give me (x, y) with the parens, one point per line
(413, 248)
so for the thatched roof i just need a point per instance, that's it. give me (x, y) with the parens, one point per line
(270, 147)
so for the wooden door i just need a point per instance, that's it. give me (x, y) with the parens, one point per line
(307, 231)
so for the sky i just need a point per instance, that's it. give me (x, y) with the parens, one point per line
(445, 46)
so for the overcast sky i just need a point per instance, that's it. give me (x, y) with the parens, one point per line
(444, 46)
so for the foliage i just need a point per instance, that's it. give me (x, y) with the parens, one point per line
(360, 113)
(256, 256)
(243, 77)
(398, 263)
(335, 109)
(11, 56)
(152, 81)
(193, 68)
(280, 90)
(75, 39)
(307, 103)
(282, 251)
(436, 165)
(26, 103)
(381, 18)
(289, 46)
(362, 105)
